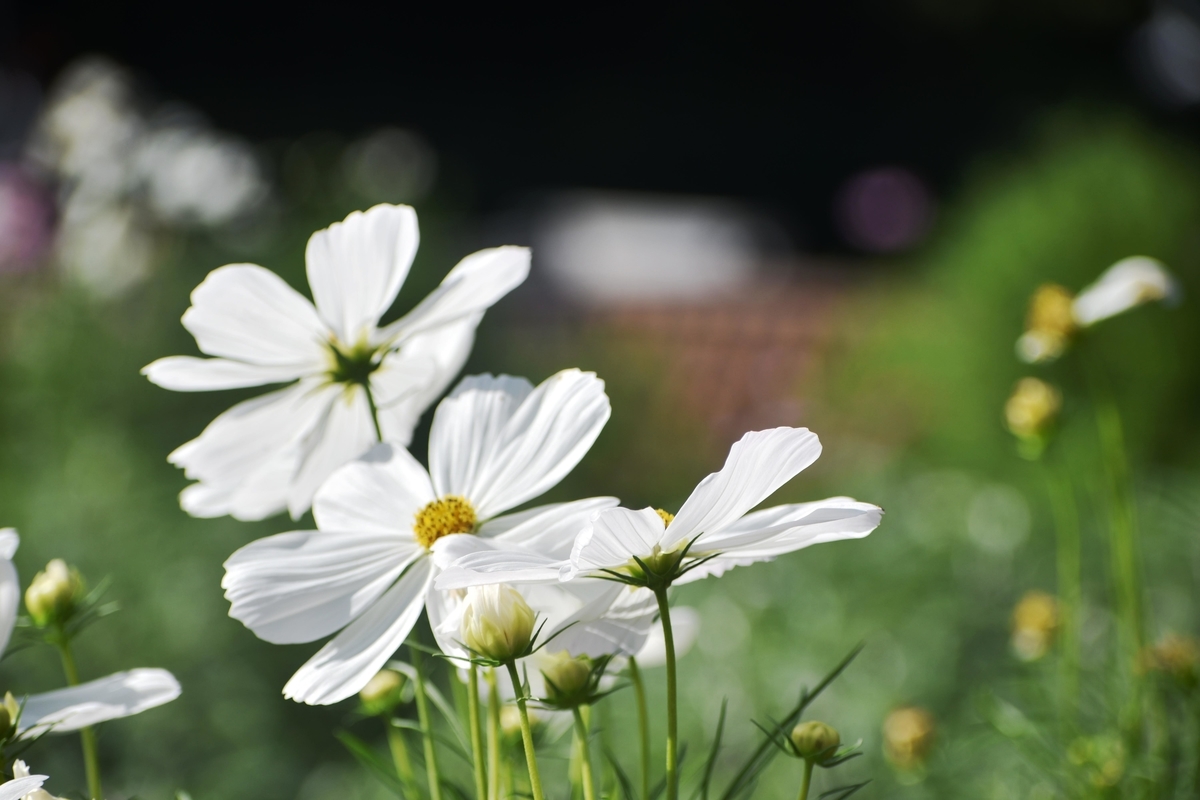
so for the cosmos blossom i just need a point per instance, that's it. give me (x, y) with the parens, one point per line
(351, 382)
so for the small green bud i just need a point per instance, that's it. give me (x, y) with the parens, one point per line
(815, 741)
(566, 677)
(382, 693)
(54, 593)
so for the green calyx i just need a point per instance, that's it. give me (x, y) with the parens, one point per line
(354, 364)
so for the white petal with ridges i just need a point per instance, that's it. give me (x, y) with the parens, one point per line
(550, 529)
(345, 665)
(614, 537)
(17, 788)
(345, 432)
(189, 374)
(121, 694)
(356, 267)
(299, 586)
(474, 285)
(247, 313)
(499, 445)
(758, 464)
(378, 493)
(1125, 285)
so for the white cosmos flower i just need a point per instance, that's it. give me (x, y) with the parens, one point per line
(1125, 285)
(24, 786)
(495, 442)
(713, 524)
(274, 451)
(121, 694)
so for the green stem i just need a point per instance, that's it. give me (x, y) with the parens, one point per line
(87, 736)
(664, 610)
(476, 733)
(374, 411)
(1124, 558)
(400, 758)
(808, 768)
(493, 737)
(535, 779)
(1068, 552)
(639, 688)
(431, 767)
(585, 756)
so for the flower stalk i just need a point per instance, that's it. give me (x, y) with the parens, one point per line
(585, 755)
(87, 736)
(639, 688)
(400, 757)
(664, 610)
(535, 778)
(806, 781)
(476, 732)
(493, 737)
(431, 766)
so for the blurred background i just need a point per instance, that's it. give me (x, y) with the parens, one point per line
(830, 215)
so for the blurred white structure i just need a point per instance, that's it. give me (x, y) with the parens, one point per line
(1166, 53)
(602, 248)
(390, 165)
(122, 177)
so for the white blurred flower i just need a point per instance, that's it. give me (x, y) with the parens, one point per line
(24, 786)
(712, 526)
(385, 523)
(352, 382)
(193, 176)
(685, 627)
(1055, 316)
(121, 694)
(1125, 285)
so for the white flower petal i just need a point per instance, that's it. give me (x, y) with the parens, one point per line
(345, 665)
(258, 435)
(247, 313)
(300, 586)
(474, 285)
(189, 374)
(772, 532)
(345, 432)
(758, 464)
(841, 517)
(400, 401)
(483, 562)
(614, 537)
(593, 617)
(356, 267)
(121, 694)
(9, 542)
(1126, 284)
(10, 585)
(549, 530)
(17, 788)
(499, 444)
(379, 493)
(685, 627)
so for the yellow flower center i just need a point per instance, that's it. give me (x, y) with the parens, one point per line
(667, 516)
(442, 517)
(1050, 312)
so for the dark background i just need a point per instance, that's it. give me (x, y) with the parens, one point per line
(775, 104)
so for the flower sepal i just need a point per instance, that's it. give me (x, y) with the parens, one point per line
(573, 681)
(659, 570)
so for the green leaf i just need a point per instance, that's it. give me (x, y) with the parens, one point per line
(842, 792)
(712, 755)
(366, 756)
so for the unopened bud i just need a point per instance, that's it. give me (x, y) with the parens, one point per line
(497, 623)
(510, 720)
(54, 593)
(908, 736)
(1031, 411)
(566, 676)
(382, 693)
(1049, 324)
(1035, 622)
(815, 741)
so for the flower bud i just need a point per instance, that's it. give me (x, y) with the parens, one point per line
(382, 693)
(1034, 624)
(815, 741)
(54, 593)
(497, 623)
(1031, 411)
(908, 737)
(510, 720)
(1177, 657)
(566, 677)
(1049, 324)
